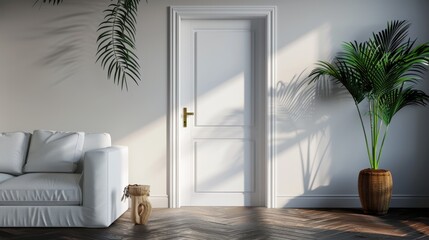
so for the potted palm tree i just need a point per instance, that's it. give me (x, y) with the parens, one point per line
(381, 72)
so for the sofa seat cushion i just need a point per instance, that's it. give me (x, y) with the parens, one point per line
(4, 177)
(41, 189)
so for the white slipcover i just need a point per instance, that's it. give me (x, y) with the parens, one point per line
(41, 189)
(94, 141)
(105, 174)
(54, 151)
(4, 177)
(13, 151)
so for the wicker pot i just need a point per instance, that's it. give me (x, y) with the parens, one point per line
(375, 190)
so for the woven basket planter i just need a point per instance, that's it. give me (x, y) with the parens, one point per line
(375, 190)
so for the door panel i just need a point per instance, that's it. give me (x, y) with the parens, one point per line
(224, 166)
(219, 158)
(223, 61)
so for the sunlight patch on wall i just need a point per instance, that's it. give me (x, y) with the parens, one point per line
(303, 135)
(304, 52)
(148, 156)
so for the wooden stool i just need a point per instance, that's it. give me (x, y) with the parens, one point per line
(140, 205)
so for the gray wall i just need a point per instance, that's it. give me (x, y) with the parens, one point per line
(49, 80)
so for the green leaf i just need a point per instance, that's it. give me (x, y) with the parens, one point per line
(116, 42)
(391, 102)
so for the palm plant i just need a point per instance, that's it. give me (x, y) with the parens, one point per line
(116, 42)
(383, 71)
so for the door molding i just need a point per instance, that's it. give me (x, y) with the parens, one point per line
(179, 13)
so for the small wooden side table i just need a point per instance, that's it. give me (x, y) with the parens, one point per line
(140, 205)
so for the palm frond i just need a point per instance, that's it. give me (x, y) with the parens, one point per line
(345, 70)
(391, 38)
(116, 43)
(393, 101)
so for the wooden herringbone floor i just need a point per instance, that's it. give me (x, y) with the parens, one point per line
(248, 223)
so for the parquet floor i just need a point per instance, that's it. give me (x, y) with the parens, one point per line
(248, 223)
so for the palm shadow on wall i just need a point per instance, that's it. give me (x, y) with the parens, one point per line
(67, 52)
(68, 35)
(304, 127)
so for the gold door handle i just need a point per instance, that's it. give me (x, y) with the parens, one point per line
(185, 116)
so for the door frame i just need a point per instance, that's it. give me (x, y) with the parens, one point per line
(179, 13)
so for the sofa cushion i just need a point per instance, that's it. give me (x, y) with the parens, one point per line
(4, 177)
(13, 150)
(46, 189)
(52, 151)
(94, 141)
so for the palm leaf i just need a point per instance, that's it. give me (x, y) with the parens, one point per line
(116, 43)
(393, 37)
(344, 70)
(393, 101)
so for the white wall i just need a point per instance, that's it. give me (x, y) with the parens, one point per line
(49, 80)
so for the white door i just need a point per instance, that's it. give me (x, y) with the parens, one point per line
(220, 83)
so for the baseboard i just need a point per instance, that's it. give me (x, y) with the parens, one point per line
(405, 201)
(324, 201)
(347, 201)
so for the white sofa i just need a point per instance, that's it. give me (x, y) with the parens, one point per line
(61, 179)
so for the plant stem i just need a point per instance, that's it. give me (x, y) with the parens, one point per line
(380, 127)
(364, 132)
(376, 135)
(371, 120)
(382, 144)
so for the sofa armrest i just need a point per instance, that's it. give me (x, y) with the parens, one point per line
(105, 175)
